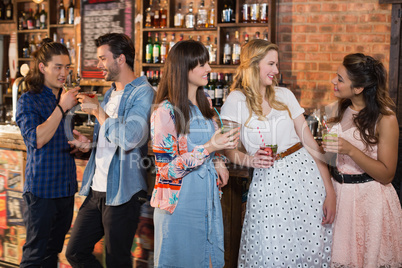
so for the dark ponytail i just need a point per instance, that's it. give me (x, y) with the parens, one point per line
(35, 79)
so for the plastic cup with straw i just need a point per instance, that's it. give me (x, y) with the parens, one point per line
(271, 149)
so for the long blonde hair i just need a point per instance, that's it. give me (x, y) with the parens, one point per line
(247, 78)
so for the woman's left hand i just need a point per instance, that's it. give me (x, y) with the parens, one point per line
(329, 208)
(222, 171)
(337, 145)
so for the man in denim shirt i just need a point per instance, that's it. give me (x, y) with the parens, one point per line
(114, 180)
(50, 174)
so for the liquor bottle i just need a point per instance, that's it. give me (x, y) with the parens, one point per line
(266, 37)
(172, 42)
(71, 50)
(226, 87)
(190, 17)
(211, 22)
(246, 12)
(213, 52)
(208, 46)
(206, 86)
(254, 12)
(2, 10)
(199, 38)
(21, 21)
(70, 13)
(179, 17)
(164, 48)
(246, 39)
(202, 15)
(149, 77)
(163, 14)
(211, 86)
(62, 13)
(25, 47)
(181, 37)
(227, 11)
(236, 49)
(54, 37)
(9, 10)
(227, 51)
(30, 20)
(157, 17)
(219, 91)
(263, 12)
(156, 51)
(148, 49)
(155, 80)
(37, 18)
(257, 35)
(149, 16)
(32, 45)
(38, 44)
(43, 17)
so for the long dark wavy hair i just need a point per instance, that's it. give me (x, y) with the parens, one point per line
(182, 58)
(35, 79)
(370, 74)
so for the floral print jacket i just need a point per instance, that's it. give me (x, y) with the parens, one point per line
(172, 159)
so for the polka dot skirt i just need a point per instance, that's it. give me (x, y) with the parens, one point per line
(282, 226)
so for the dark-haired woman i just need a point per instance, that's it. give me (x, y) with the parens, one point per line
(50, 174)
(368, 224)
(188, 217)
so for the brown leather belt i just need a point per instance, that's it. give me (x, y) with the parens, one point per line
(289, 151)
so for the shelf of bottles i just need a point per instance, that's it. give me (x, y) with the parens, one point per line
(7, 12)
(223, 27)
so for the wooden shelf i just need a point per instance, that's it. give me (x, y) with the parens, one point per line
(33, 31)
(61, 25)
(25, 59)
(236, 25)
(179, 29)
(8, 21)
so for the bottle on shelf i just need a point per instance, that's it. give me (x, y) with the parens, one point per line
(246, 12)
(70, 13)
(190, 17)
(9, 10)
(30, 20)
(32, 45)
(156, 50)
(211, 86)
(226, 87)
(257, 35)
(246, 39)
(2, 10)
(219, 91)
(213, 57)
(263, 12)
(37, 17)
(266, 37)
(211, 22)
(43, 17)
(208, 45)
(62, 13)
(155, 80)
(38, 44)
(179, 17)
(163, 14)
(236, 49)
(227, 51)
(181, 37)
(199, 38)
(172, 42)
(254, 12)
(202, 15)
(164, 48)
(149, 16)
(227, 11)
(148, 49)
(22, 23)
(157, 17)
(25, 47)
(54, 37)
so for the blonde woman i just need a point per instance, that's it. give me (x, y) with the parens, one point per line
(291, 200)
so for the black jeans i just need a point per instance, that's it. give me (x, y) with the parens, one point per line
(47, 221)
(116, 223)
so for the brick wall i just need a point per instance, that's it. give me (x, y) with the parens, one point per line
(314, 36)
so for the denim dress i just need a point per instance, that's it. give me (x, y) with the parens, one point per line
(193, 233)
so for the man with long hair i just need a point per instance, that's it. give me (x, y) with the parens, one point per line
(50, 175)
(114, 180)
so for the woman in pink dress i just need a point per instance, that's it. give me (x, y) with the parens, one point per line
(368, 223)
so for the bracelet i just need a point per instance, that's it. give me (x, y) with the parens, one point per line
(61, 109)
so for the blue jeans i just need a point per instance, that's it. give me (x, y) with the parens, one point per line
(47, 221)
(116, 223)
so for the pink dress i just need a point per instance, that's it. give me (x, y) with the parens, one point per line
(368, 223)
